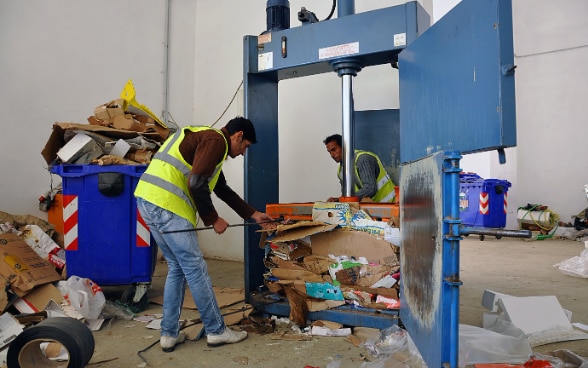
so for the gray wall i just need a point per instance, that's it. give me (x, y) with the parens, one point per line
(61, 59)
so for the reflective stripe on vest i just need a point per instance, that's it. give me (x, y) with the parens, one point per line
(385, 187)
(165, 182)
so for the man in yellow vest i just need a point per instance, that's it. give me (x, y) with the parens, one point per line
(371, 182)
(175, 187)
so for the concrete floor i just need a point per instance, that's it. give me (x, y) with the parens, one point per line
(510, 266)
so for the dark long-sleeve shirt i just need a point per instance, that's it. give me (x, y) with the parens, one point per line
(205, 149)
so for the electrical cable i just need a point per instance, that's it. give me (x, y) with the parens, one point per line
(242, 309)
(553, 218)
(173, 121)
(229, 105)
(332, 10)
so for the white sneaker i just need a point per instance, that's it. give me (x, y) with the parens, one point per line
(227, 337)
(168, 343)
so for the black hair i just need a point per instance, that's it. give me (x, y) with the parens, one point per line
(334, 138)
(239, 124)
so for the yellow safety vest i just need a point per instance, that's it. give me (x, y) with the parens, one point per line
(385, 186)
(165, 182)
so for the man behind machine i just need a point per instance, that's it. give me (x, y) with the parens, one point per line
(370, 178)
(176, 185)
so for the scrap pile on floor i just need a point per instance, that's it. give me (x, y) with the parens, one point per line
(341, 257)
(120, 132)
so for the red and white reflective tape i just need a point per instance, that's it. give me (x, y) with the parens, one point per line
(70, 221)
(484, 203)
(505, 202)
(143, 234)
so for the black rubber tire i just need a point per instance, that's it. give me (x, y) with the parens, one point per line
(127, 299)
(482, 237)
(77, 339)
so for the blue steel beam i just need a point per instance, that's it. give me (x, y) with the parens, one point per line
(370, 38)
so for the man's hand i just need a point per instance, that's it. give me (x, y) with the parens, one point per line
(333, 199)
(263, 219)
(220, 225)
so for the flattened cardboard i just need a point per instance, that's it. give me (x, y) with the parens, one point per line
(391, 293)
(315, 305)
(38, 299)
(285, 274)
(318, 264)
(281, 263)
(354, 244)
(300, 230)
(22, 267)
(291, 251)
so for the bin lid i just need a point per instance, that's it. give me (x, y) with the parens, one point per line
(465, 177)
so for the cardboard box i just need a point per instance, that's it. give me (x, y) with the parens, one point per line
(339, 213)
(126, 121)
(376, 228)
(22, 267)
(354, 244)
(109, 110)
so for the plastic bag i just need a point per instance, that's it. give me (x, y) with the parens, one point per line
(576, 266)
(506, 344)
(85, 296)
(394, 348)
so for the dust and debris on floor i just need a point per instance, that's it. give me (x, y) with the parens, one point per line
(518, 277)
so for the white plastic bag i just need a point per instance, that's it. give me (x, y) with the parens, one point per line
(576, 266)
(394, 348)
(85, 296)
(506, 344)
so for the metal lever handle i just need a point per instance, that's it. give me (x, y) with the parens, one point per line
(212, 227)
(467, 230)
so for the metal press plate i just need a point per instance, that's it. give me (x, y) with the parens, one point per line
(421, 256)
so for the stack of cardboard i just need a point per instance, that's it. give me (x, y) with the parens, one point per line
(121, 131)
(113, 114)
(27, 276)
(325, 265)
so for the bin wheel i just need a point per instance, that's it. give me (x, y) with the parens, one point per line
(128, 296)
(482, 237)
(498, 237)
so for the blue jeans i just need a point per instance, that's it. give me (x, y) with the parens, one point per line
(185, 264)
